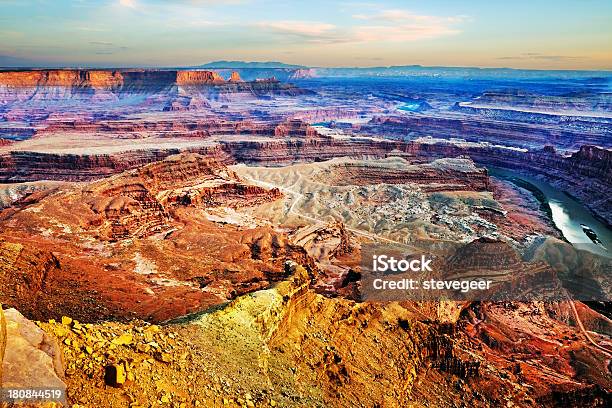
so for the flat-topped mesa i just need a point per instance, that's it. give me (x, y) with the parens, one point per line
(62, 77)
(198, 77)
(111, 79)
(518, 99)
(174, 90)
(107, 79)
(295, 127)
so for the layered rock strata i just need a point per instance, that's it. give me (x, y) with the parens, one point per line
(157, 242)
(585, 174)
(529, 130)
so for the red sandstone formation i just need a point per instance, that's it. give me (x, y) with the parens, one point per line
(294, 127)
(435, 177)
(235, 77)
(512, 279)
(95, 89)
(63, 77)
(522, 216)
(585, 174)
(105, 79)
(567, 372)
(140, 244)
(197, 77)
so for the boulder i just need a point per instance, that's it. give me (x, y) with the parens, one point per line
(31, 358)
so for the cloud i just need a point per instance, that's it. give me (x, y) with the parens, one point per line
(128, 3)
(406, 16)
(306, 29)
(402, 33)
(384, 26)
(404, 25)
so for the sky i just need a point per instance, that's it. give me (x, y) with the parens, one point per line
(539, 34)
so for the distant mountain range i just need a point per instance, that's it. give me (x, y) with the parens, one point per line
(245, 64)
(283, 72)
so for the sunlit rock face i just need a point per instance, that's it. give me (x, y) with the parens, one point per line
(168, 230)
(32, 358)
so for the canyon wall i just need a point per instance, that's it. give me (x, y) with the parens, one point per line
(27, 86)
(106, 79)
(585, 174)
(496, 126)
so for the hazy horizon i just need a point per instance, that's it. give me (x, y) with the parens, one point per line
(544, 35)
(200, 67)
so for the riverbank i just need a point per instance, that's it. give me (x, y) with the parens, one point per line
(567, 214)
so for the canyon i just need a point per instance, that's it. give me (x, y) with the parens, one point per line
(198, 236)
(585, 174)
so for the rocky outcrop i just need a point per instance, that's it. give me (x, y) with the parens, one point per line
(24, 166)
(315, 351)
(70, 78)
(103, 79)
(291, 150)
(197, 77)
(32, 358)
(440, 175)
(2, 340)
(169, 233)
(25, 271)
(319, 337)
(235, 77)
(186, 103)
(189, 127)
(295, 127)
(583, 102)
(135, 204)
(592, 162)
(97, 88)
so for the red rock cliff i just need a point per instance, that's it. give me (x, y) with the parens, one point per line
(105, 78)
(62, 77)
